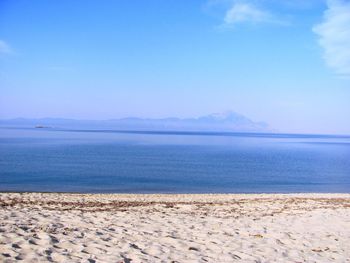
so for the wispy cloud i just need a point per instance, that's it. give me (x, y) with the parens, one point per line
(334, 35)
(244, 12)
(248, 12)
(5, 48)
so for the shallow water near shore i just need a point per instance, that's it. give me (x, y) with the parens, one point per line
(171, 162)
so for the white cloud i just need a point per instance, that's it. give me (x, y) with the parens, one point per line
(334, 35)
(246, 12)
(5, 48)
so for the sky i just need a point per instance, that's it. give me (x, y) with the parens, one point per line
(284, 62)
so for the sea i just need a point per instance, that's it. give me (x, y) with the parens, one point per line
(112, 161)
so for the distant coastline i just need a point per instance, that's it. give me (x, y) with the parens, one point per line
(218, 122)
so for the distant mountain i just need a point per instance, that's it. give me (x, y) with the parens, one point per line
(226, 122)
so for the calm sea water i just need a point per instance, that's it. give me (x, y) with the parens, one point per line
(105, 161)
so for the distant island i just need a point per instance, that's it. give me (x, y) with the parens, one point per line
(228, 121)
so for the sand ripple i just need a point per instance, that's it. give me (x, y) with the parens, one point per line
(39, 227)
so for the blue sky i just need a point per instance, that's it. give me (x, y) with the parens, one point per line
(283, 62)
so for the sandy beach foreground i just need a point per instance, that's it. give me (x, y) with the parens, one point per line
(42, 227)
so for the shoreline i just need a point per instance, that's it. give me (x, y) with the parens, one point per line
(174, 193)
(73, 227)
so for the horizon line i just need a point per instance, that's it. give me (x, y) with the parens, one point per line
(184, 132)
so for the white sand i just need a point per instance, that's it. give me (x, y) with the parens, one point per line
(174, 228)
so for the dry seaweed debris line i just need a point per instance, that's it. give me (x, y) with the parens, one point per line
(103, 205)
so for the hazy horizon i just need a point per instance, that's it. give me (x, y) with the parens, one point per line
(285, 63)
(152, 125)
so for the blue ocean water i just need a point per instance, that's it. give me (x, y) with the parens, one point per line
(173, 162)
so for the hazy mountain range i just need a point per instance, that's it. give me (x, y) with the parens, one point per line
(228, 122)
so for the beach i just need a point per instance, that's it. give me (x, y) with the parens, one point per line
(62, 227)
